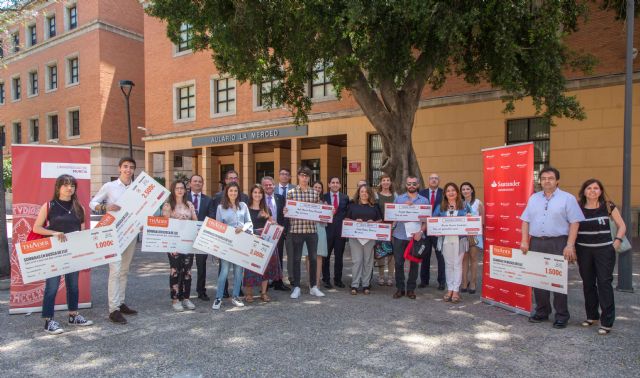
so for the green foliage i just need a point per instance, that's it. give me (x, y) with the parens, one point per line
(161, 180)
(181, 176)
(395, 46)
(6, 173)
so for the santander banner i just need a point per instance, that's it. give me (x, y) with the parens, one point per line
(35, 169)
(508, 183)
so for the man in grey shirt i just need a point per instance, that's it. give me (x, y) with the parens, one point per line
(550, 225)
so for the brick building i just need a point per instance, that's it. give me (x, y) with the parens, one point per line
(59, 80)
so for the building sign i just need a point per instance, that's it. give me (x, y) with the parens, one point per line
(355, 167)
(253, 135)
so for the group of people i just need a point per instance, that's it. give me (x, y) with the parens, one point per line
(553, 222)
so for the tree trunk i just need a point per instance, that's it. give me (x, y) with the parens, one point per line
(399, 158)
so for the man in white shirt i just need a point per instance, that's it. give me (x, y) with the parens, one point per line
(118, 271)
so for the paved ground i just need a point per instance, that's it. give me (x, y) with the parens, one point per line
(339, 335)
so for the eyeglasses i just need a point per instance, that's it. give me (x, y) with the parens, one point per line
(412, 184)
(434, 178)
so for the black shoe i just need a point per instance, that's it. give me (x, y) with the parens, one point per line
(440, 287)
(559, 325)
(339, 284)
(203, 297)
(280, 286)
(423, 285)
(538, 318)
(328, 285)
(126, 310)
(463, 290)
(116, 317)
(398, 294)
(472, 291)
(226, 295)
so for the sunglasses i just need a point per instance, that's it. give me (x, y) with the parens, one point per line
(412, 184)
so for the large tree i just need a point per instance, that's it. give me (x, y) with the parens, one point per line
(386, 52)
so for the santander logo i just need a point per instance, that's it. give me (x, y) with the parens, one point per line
(490, 204)
(505, 204)
(489, 156)
(521, 204)
(505, 184)
(521, 166)
(505, 166)
(505, 154)
(490, 168)
(521, 153)
(504, 217)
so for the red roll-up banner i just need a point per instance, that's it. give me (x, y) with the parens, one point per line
(508, 183)
(34, 172)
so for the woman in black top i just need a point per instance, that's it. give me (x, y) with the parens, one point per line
(596, 254)
(363, 209)
(64, 214)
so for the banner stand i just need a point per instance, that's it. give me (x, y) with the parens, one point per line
(506, 307)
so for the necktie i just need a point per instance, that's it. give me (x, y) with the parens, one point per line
(195, 201)
(433, 197)
(271, 206)
(335, 201)
(283, 191)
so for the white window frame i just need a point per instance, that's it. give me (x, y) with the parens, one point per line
(176, 101)
(31, 133)
(329, 97)
(13, 91)
(67, 16)
(13, 132)
(27, 35)
(213, 98)
(68, 123)
(177, 52)
(67, 78)
(4, 99)
(30, 92)
(259, 108)
(47, 77)
(49, 136)
(13, 45)
(47, 34)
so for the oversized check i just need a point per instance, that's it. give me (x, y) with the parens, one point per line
(309, 211)
(49, 257)
(247, 250)
(535, 269)
(442, 226)
(366, 230)
(402, 212)
(143, 198)
(170, 235)
(272, 233)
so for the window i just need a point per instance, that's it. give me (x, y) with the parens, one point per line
(264, 169)
(15, 38)
(51, 26)
(72, 71)
(31, 34)
(53, 126)
(1, 93)
(375, 159)
(186, 104)
(34, 130)
(1, 49)
(72, 17)
(17, 133)
(17, 88)
(52, 77)
(33, 83)
(314, 165)
(264, 94)
(224, 96)
(73, 119)
(321, 85)
(536, 130)
(3, 140)
(186, 37)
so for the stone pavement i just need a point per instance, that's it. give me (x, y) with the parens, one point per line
(338, 335)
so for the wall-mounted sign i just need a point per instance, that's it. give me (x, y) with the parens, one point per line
(355, 167)
(253, 135)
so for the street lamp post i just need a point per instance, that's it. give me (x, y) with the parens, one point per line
(126, 86)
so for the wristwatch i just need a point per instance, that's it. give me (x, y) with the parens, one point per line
(617, 238)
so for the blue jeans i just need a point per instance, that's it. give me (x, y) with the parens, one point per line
(51, 289)
(222, 278)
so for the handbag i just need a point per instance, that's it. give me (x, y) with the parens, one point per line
(33, 235)
(625, 245)
(382, 249)
(419, 249)
(408, 254)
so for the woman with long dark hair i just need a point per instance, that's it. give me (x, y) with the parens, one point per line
(470, 259)
(385, 194)
(64, 214)
(178, 207)
(235, 214)
(260, 216)
(596, 252)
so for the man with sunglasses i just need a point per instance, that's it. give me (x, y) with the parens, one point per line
(434, 195)
(400, 241)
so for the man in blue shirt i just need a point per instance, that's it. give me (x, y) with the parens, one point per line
(550, 225)
(400, 241)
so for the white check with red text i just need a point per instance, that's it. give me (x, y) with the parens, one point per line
(402, 212)
(366, 230)
(247, 250)
(49, 257)
(535, 269)
(446, 226)
(170, 235)
(309, 211)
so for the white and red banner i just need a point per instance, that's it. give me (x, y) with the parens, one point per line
(508, 183)
(34, 171)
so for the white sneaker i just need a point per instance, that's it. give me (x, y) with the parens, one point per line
(52, 327)
(177, 307)
(216, 304)
(237, 302)
(79, 320)
(315, 291)
(295, 294)
(187, 304)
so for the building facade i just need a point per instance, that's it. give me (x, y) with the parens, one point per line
(214, 122)
(59, 80)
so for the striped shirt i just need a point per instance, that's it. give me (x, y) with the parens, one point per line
(595, 230)
(302, 226)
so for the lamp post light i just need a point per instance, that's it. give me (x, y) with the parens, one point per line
(126, 86)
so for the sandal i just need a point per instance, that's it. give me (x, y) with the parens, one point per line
(604, 330)
(354, 291)
(588, 323)
(248, 298)
(381, 281)
(265, 297)
(455, 299)
(447, 298)
(366, 291)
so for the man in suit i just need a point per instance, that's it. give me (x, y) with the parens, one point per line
(335, 242)
(204, 208)
(275, 203)
(284, 185)
(229, 177)
(433, 194)
(284, 182)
